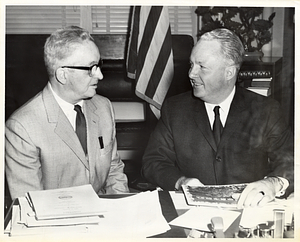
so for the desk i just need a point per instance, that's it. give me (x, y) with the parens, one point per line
(168, 211)
(252, 217)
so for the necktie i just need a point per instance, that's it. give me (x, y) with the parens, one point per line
(81, 127)
(217, 127)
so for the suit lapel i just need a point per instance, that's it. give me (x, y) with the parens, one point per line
(233, 121)
(63, 128)
(238, 104)
(92, 134)
(203, 122)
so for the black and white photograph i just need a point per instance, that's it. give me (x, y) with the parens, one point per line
(149, 120)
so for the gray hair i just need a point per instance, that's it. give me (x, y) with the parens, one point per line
(61, 43)
(232, 48)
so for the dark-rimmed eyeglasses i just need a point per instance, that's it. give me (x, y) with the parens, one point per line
(91, 69)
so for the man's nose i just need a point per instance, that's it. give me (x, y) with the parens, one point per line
(192, 71)
(99, 74)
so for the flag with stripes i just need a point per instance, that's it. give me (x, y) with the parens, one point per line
(150, 56)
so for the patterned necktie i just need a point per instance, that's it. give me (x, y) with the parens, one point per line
(217, 127)
(81, 127)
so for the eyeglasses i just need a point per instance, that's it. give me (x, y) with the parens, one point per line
(91, 69)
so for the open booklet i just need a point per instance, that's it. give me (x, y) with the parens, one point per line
(212, 195)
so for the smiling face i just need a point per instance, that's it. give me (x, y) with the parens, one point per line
(209, 73)
(78, 85)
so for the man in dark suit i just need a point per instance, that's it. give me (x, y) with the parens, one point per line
(43, 145)
(250, 142)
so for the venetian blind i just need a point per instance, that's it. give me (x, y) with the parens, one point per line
(182, 19)
(110, 19)
(39, 19)
(114, 19)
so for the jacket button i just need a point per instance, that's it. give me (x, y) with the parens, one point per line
(218, 159)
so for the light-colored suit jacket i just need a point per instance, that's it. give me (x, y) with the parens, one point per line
(42, 150)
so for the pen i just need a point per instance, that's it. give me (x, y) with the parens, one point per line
(101, 142)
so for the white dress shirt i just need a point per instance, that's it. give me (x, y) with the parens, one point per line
(224, 109)
(67, 108)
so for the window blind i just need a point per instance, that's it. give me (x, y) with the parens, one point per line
(110, 19)
(181, 19)
(42, 19)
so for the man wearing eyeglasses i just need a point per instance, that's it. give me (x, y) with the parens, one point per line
(65, 136)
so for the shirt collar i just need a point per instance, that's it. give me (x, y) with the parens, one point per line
(65, 106)
(225, 105)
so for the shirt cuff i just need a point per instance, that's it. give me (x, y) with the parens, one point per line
(284, 183)
(179, 183)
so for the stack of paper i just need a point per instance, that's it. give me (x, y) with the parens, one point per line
(261, 86)
(261, 82)
(265, 91)
(65, 202)
(79, 212)
(57, 207)
(29, 219)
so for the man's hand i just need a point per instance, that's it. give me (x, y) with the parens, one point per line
(192, 182)
(187, 181)
(259, 193)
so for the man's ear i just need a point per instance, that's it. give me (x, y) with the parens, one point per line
(61, 76)
(230, 72)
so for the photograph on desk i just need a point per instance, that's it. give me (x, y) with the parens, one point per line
(217, 195)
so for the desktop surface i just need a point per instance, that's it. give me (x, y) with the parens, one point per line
(167, 206)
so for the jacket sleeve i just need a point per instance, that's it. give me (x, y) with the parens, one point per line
(280, 146)
(159, 160)
(22, 160)
(117, 180)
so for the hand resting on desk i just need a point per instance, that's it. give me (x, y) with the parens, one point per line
(258, 193)
(187, 181)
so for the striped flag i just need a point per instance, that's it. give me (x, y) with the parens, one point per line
(150, 55)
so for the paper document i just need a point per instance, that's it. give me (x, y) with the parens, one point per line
(135, 216)
(65, 202)
(252, 216)
(200, 218)
(139, 215)
(179, 200)
(20, 229)
(28, 218)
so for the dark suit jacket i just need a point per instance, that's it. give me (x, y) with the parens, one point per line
(43, 151)
(256, 142)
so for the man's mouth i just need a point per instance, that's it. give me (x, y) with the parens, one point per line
(196, 83)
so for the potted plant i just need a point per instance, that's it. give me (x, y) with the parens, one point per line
(253, 31)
